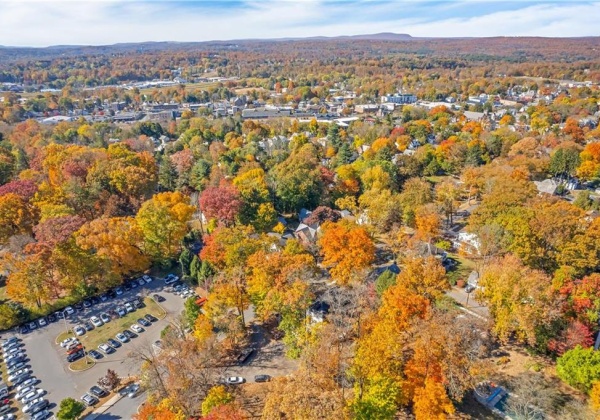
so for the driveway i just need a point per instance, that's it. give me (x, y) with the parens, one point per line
(47, 359)
(125, 408)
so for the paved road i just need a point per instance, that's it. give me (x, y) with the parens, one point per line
(47, 358)
(469, 302)
(125, 408)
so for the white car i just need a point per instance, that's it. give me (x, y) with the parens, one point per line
(147, 278)
(23, 391)
(96, 321)
(137, 328)
(141, 281)
(171, 278)
(10, 351)
(30, 404)
(32, 395)
(42, 322)
(121, 311)
(69, 311)
(9, 416)
(106, 349)
(129, 307)
(68, 341)
(122, 338)
(79, 330)
(27, 384)
(235, 380)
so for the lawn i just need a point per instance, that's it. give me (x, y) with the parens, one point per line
(99, 335)
(462, 270)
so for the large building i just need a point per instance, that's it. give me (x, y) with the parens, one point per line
(399, 98)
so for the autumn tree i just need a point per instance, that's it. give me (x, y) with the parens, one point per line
(222, 203)
(16, 216)
(163, 221)
(519, 298)
(346, 249)
(217, 396)
(118, 240)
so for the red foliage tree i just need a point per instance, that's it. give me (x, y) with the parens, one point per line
(57, 229)
(23, 188)
(222, 203)
(576, 334)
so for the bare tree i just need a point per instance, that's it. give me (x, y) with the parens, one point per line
(532, 397)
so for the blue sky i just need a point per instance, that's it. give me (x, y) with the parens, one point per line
(47, 22)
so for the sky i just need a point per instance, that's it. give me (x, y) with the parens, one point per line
(101, 22)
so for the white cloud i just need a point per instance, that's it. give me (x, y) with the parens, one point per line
(42, 23)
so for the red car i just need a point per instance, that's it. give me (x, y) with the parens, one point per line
(75, 349)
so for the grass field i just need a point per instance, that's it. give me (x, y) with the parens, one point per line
(82, 364)
(99, 335)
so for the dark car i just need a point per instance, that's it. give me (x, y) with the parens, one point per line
(127, 286)
(51, 318)
(75, 356)
(158, 297)
(143, 322)
(16, 361)
(129, 334)
(111, 294)
(98, 392)
(150, 318)
(262, 378)
(138, 303)
(24, 329)
(78, 306)
(39, 406)
(95, 354)
(114, 343)
(21, 378)
(87, 303)
(95, 300)
(88, 326)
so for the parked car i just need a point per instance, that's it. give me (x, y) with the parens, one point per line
(79, 306)
(121, 311)
(234, 380)
(143, 322)
(60, 314)
(69, 311)
(42, 322)
(87, 303)
(32, 326)
(21, 357)
(72, 345)
(23, 391)
(68, 341)
(98, 392)
(11, 350)
(75, 349)
(129, 307)
(262, 378)
(95, 354)
(9, 416)
(147, 278)
(88, 326)
(36, 393)
(137, 328)
(13, 356)
(10, 341)
(41, 415)
(21, 378)
(122, 338)
(24, 329)
(138, 303)
(18, 373)
(95, 300)
(150, 318)
(16, 367)
(96, 321)
(119, 291)
(111, 294)
(105, 317)
(104, 297)
(52, 317)
(79, 330)
(141, 281)
(28, 383)
(75, 356)
(158, 298)
(89, 400)
(129, 334)
(114, 343)
(106, 349)
(171, 278)
(34, 406)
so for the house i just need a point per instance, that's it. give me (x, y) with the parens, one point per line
(400, 98)
(306, 234)
(468, 241)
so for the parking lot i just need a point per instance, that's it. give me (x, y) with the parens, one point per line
(47, 359)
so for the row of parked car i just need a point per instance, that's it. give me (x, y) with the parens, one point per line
(85, 304)
(23, 383)
(105, 317)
